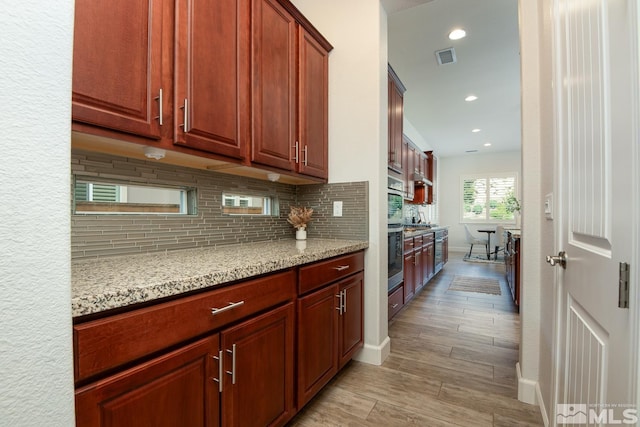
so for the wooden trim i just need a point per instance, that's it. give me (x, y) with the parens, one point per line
(304, 22)
(396, 79)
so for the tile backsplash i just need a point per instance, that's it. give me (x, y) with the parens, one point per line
(94, 236)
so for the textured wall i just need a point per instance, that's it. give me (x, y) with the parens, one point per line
(103, 235)
(36, 370)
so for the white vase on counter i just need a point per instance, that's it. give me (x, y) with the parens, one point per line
(301, 234)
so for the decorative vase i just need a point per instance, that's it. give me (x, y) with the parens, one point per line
(301, 234)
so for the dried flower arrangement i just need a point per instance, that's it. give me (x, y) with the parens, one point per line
(299, 217)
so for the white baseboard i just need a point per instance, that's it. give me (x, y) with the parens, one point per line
(543, 408)
(526, 388)
(374, 354)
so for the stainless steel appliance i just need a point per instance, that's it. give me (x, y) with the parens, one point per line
(439, 259)
(395, 231)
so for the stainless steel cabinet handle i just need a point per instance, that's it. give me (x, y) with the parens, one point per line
(344, 301)
(304, 150)
(394, 305)
(339, 307)
(219, 379)
(233, 364)
(159, 117)
(342, 267)
(185, 108)
(297, 149)
(231, 305)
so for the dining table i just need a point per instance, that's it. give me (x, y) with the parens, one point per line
(489, 233)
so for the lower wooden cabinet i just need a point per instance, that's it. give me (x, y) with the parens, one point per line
(396, 301)
(330, 330)
(258, 369)
(188, 386)
(512, 264)
(204, 367)
(172, 390)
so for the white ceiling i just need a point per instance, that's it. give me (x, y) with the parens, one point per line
(488, 66)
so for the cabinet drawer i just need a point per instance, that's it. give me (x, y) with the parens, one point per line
(321, 273)
(107, 343)
(396, 301)
(426, 238)
(408, 244)
(417, 242)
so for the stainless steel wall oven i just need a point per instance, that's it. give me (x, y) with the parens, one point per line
(395, 231)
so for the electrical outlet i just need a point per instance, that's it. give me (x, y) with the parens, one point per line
(337, 208)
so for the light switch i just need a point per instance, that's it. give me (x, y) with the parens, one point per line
(548, 206)
(337, 208)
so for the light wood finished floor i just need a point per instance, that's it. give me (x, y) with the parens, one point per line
(452, 363)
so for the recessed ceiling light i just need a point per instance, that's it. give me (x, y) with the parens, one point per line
(457, 34)
(487, 144)
(471, 98)
(476, 130)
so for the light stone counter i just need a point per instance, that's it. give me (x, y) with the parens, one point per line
(102, 284)
(417, 231)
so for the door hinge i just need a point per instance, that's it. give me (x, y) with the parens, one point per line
(623, 286)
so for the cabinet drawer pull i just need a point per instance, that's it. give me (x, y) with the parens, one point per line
(219, 379)
(344, 301)
(185, 107)
(339, 307)
(394, 306)
(231, 305)
(304, 150)
(159, 98)
(297, 150)
(341, 267)
(233, 364)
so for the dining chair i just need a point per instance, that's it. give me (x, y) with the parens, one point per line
(473, 240)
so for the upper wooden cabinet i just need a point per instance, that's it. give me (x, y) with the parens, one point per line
(117, 65)
(433, 174)
(290, 92)
(211, 76)
(273, 75)
(396, 93)
(243, 81)
(313, 106)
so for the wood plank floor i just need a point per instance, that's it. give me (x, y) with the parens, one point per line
(452, 363)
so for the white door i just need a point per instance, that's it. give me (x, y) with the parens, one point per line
(596, 90)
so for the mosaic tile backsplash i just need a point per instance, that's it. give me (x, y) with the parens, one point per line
(95, 236)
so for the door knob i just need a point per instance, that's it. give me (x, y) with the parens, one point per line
(560, 259)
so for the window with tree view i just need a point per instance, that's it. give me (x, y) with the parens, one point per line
(489, 198)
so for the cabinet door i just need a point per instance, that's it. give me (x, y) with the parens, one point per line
(408, 277)
(172, 390)
(273, 38)
(259, 361)
(117, 60)
(317, 341)
(351, 327)
(313, 109)
(395, 127)
(211, 105)
(417, 269)
(430, 260)
(408, 156)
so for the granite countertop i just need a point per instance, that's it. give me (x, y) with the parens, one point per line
(418, 230)
(102, 284)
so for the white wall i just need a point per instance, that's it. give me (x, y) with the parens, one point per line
(36, 369)
(450, 170)
(357, 29)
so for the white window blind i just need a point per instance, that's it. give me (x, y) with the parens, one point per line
(485, 198)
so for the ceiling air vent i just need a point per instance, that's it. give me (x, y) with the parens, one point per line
(446, 56)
